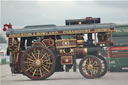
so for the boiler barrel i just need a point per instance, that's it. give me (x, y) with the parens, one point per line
(82, 52)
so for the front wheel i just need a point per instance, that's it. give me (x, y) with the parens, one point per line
(90, 67)
(104, 66)
(38, 62)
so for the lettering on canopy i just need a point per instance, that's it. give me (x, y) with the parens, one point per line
(59, 32)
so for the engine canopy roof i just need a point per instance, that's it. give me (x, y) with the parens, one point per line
(45, 30)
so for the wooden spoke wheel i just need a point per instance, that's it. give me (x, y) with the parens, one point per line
(90, 67)
(38, 62)
(104, 66)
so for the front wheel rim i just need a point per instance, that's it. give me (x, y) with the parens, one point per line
(90, 67)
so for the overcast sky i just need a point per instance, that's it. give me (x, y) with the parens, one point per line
(22, 13)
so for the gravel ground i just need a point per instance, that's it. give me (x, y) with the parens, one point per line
(62, 78)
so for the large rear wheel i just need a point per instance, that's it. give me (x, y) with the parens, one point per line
(38, 62)
(90, 67)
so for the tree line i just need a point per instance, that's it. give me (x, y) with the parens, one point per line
(2, 39)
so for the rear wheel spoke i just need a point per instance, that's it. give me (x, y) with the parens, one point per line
(30, 59)
(34, 72)
(43, 56)
(38, 54)
(33, 55)
(28, 68)
(40, 72)
(45, 69)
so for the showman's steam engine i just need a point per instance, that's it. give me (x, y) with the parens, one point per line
(40, 50)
